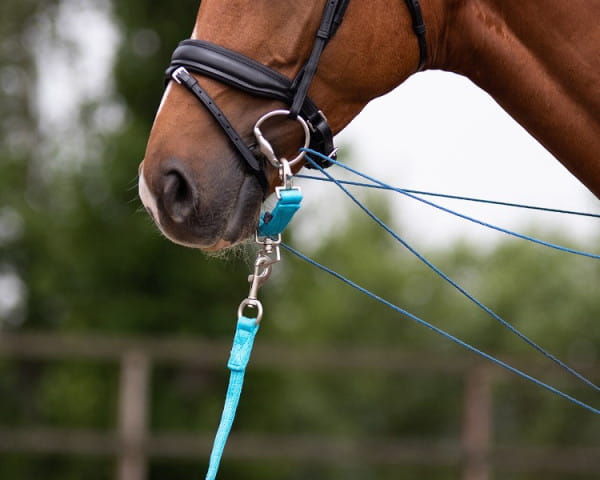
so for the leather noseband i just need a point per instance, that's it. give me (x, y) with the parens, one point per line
(246, 74)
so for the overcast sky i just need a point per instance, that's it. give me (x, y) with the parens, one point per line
(439, 132)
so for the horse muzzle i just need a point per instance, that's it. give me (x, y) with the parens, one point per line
(209, 217)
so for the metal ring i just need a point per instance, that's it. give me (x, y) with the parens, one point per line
(251, 303)
(265, 146)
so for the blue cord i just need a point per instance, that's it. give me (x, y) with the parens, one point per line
(238, 361)
(439, 207)
(441, 332)
(446, 278)
(453, 197)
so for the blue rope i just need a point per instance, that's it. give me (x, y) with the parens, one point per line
(454, 197)
(449, 280)
(238, 361)
(439, 207)
(442, 332)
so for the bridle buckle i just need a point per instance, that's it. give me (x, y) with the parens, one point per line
(180, 74)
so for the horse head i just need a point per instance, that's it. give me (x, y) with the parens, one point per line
(203, 179)
(192, 180)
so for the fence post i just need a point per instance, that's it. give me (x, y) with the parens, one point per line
(132, 415)
(477, 426)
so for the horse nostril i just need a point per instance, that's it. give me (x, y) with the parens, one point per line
(178, 196)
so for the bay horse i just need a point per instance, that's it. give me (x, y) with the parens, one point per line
(539, 59)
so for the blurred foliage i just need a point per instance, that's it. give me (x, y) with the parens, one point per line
(79, 255)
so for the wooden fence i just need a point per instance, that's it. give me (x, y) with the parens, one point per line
(132, 444)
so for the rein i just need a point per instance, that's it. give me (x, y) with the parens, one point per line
(244, 73)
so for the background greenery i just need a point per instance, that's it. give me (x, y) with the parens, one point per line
(77, 254)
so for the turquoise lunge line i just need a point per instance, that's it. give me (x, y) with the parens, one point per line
(238, 361)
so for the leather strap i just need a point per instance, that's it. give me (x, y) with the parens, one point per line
(332, 18)
(183, 77)
(248, 75)
(420, 30)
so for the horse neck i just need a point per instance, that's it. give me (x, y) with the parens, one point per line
(539, 61)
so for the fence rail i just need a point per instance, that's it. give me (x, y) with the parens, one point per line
(133, 444)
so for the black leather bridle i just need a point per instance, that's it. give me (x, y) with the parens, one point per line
(248, 75)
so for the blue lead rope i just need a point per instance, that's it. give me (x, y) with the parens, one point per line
(238, 361)
(271, 225)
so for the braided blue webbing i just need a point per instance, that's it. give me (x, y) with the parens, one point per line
(238, 361)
